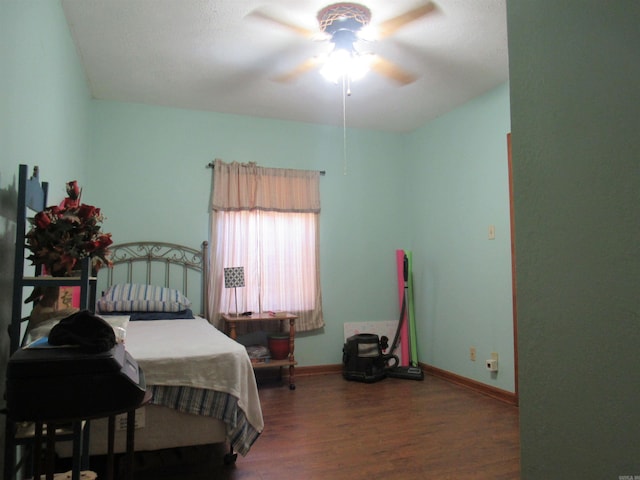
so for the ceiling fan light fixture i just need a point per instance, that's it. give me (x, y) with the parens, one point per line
(346, 64)
(344, 21)
(343, 15)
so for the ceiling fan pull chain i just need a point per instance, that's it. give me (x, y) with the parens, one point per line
(344, 126)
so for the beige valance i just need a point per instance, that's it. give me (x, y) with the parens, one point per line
(246, 186)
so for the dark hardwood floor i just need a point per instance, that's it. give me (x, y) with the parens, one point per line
(329, 428)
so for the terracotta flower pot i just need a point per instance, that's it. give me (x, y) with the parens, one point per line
(278, 345)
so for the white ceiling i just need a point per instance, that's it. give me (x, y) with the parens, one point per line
(215, 55)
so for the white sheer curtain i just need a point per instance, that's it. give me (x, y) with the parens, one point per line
(267, 221)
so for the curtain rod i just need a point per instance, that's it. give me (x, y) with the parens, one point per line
(212, 165)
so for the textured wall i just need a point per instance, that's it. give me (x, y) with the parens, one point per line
(575, 117)
(155, 158)
(43, 121)
(457, 185)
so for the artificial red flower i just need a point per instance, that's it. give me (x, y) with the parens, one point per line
(42, 220)
(63, 235)
(104, 240)
(69, 203)
(73, 190)
(86, 211)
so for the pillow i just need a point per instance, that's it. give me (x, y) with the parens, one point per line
(134, 297)
(184, 314)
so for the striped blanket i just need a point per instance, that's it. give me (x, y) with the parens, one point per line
(192, 367)
(222, 406)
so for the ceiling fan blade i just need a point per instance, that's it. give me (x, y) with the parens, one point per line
(389, 27)
(261, 14)
(390, 70)
(301, 69)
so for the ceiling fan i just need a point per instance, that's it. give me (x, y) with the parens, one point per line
(348, 30)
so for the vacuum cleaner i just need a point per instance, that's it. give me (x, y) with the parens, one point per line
(363, 358)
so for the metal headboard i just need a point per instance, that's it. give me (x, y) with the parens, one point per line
(160, 263)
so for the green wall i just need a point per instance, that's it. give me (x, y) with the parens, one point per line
(44, 121)
(156, 157)
(148, 174)
(44, 98)
(574, 71)
(456, 186)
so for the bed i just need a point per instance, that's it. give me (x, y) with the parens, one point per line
(202, 382)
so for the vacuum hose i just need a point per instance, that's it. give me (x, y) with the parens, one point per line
(384, 341)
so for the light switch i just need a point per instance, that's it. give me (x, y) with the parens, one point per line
(492, 232)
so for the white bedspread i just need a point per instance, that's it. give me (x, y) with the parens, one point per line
(194, 353)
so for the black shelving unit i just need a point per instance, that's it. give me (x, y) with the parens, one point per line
(32, 195)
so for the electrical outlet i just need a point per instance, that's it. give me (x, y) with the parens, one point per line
(472, 354)
(492, 363)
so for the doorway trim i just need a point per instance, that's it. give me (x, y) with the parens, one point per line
(513, 268)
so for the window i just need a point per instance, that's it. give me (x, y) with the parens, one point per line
(273, 235)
